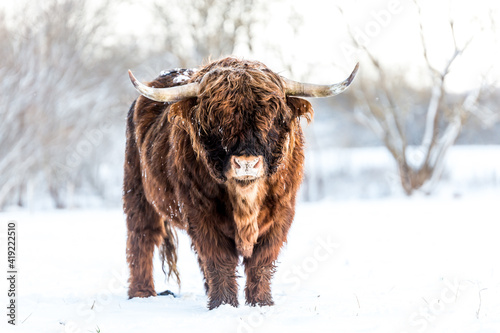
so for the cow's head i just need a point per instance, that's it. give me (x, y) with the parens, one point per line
(241, 116)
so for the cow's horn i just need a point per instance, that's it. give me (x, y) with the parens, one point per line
(172, 94)
(294, 88)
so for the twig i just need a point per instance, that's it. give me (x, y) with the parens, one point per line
(480, 301)
(359, 306)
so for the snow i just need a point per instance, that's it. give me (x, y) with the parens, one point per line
(371, 172)
(182, 75)
(425, 264)
(181, 78)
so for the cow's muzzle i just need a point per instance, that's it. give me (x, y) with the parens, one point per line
(246, 167)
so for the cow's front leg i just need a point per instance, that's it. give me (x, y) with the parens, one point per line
(218, 260)
(202, 268)
(221, 281)
(259, 269)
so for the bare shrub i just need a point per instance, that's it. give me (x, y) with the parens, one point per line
(60, 98)
(387, 105)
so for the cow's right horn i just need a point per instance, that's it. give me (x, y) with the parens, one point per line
(172, 94)
(300, 89)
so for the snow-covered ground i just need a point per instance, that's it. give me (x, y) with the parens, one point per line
(371, 172)
(387, 265)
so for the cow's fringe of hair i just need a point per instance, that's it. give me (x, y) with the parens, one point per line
(168, 253)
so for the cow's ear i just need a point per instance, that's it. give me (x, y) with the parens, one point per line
(182, 109)
(300, 107)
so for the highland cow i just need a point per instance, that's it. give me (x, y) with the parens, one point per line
(218, 152)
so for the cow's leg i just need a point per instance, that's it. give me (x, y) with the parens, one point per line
(145, 231)
(218, 261)
(145, 228)
(259, 270)
(202, 268)
(222, 285)
(140, 249)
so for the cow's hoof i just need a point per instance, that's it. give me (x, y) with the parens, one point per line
(215, 303)
(266, 302)
(166, 293)
(141, 293)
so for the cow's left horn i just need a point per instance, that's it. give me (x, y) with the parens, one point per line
(294, 88)
(172, 94)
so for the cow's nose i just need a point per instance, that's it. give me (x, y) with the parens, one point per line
(247, 166)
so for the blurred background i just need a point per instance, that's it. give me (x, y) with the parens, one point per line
(422, 116)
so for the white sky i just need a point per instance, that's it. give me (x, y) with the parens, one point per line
(393, 38)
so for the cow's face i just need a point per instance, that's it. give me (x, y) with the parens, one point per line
(242, 122)
(241, 117)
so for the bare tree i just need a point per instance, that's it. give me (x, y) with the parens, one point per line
(384, 106)
(59, 91)
(194, 30)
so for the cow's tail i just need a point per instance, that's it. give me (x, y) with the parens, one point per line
(168, 253)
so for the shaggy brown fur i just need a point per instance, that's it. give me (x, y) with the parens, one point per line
(178, 174)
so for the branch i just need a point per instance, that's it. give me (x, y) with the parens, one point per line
(435, 156)
(431, 132)
(431, 68)
(391, 113)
